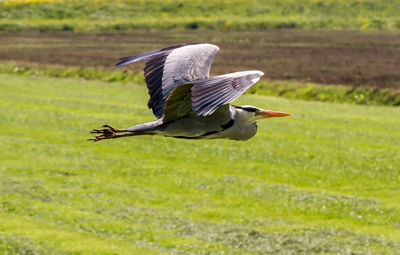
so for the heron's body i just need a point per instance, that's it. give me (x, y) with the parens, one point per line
(187, 103)
(227, 122)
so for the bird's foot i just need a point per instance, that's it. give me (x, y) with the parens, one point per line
(107, 129)
(107, 132)
(101, 137)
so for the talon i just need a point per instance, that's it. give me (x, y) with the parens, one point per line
(104, 131)
(104, 134)
(110, 127)
(96, 131)
(108, 132)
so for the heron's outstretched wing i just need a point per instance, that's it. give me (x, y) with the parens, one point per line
(209, 94)
(204, 97)
(170, 67)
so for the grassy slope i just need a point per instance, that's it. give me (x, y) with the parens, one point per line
(323, 181)
(122, 15)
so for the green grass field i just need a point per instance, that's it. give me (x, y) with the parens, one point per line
(325, 181)
(106, 15)
(287, 89)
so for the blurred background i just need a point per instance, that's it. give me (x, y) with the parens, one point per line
(325, 181)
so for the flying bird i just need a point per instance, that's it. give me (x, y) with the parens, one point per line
(187, 102)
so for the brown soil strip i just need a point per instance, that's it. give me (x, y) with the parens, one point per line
(368, 59)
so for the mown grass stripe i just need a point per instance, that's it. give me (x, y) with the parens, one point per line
(103, 15)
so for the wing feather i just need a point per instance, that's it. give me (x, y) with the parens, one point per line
(204, 97)
(209, 94)
(171, 67)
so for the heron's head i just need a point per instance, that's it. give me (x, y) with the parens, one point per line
(253, 113)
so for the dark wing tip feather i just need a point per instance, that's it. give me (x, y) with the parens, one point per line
(130, 59)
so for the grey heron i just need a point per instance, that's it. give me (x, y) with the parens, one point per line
(187, 102)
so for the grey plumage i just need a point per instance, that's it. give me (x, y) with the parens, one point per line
(170, 67)
(186, 102)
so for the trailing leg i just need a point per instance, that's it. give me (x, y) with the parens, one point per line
(107, 129)
(108, 132)
(114, 135)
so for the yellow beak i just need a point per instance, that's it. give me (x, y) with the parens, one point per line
(269, 114)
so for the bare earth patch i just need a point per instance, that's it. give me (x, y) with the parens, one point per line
(361, 59)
